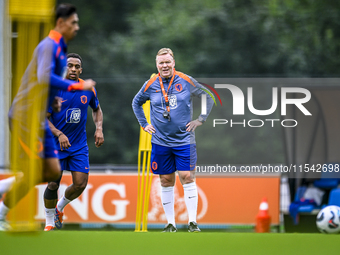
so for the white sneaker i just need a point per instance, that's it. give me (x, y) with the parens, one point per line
(4, 226)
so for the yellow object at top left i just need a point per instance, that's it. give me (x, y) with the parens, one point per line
(32, 10)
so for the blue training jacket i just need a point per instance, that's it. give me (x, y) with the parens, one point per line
(170, 133)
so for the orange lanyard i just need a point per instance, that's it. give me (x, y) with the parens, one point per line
(163, 91)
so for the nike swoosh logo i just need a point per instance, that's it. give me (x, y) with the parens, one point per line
(192, 197)
(157, 90)
(64, 101)
(166, 203)
(86, 168)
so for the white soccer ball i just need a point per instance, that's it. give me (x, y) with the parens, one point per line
(328, 220)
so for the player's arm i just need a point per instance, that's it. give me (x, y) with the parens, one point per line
(97, 115)
(198, 90)
(63, 139)
(46, 64)
(56, 104)
(137, 105)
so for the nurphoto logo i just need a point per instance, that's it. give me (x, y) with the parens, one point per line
(238, 106)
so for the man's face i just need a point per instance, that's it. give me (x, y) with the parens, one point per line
(70, 27)
(165, 65)
(73, 69)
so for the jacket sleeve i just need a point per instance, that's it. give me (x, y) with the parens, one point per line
(94, 102)
(200, 90)
(137, 105)
(46, 62)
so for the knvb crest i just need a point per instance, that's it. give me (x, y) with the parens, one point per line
(73, 115)
(83, 99)
(178, 87)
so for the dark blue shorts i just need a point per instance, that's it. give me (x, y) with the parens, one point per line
(166, 160)
(44, 148)
(77, 161)
(50, 148)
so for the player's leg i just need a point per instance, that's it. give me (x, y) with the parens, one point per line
(51, 171)
(80, 180)
(186, 158)
(6, 184)
(79, 166)
(74, 190)
(21, 187)
(50, 201)
(52, 174)
(187, 179)
(162, 163)
(52, 168)
(168, 200)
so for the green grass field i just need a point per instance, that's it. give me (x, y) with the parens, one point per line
(128, 242)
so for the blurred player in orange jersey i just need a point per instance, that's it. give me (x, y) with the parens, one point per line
(69, 129)
(42, 79)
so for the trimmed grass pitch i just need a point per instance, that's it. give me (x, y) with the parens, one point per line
(128, 242)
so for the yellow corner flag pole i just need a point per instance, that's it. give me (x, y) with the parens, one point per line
(144, 175)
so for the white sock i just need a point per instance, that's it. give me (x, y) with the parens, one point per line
(191, 200)
(62, 203)
(6, 184)
(49, 216)
(3, 211)
(167, 197)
